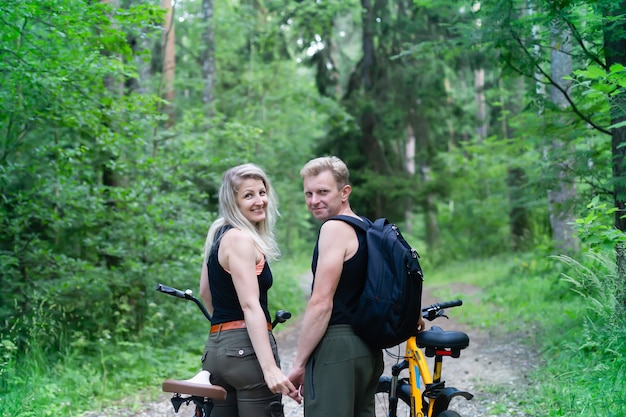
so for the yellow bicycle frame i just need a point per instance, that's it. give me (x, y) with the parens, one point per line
(418, 369)
(420, 377)
(425, 392)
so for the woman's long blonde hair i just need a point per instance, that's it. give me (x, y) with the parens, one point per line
(263, 232)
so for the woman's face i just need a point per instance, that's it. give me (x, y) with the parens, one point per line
(252, 200)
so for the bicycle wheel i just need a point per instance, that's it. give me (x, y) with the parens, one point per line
(403, 408)
(448, 413)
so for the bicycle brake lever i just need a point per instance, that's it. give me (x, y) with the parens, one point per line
(441, 313)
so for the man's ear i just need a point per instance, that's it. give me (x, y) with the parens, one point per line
(345, 192)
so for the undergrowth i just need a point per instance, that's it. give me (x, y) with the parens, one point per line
(563, 307)
(566, 309)
(113, 372)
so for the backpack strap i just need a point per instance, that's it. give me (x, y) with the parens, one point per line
(363, 225)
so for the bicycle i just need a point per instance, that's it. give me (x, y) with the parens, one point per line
(199, 389)
(423, 393)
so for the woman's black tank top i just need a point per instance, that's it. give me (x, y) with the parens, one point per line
(226, 306)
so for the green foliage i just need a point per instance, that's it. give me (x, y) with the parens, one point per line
(604, 87)
(599, 351)
(596, 228)
(596, 281)
(35, 385)
(64, 219)
(114, 372)
(99, 205)
(474, 217)
(98, 202)
(583, 354)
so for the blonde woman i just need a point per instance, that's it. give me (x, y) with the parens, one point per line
(241, 352)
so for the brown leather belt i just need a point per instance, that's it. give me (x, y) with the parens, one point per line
(232, 325)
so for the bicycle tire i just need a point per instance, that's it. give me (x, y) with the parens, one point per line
(403, 391)
(448, 413)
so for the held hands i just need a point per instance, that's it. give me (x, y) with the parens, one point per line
(297, 378)
(296, 395)
(278, 383)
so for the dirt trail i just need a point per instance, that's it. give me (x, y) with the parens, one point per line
(492, 368)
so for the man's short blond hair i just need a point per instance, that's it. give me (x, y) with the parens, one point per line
(333, 164)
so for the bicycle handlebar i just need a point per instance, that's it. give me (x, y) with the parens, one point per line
(187, 295)
(171, 291)
(281, 315)
(434, 311)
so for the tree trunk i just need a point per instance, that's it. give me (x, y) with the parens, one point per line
(110, 178)
(481, 103)
(141, 84)
(208, 57)
(409, 166)
(169, 61)
(516, 176)
(369, 57)
(428, 202)
(518, 215)
(615, 53)
(370, 144)
(561, 197)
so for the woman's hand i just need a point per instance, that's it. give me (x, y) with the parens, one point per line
(278, 383)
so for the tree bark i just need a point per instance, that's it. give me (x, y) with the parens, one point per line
(516, 176)
(561, 197)
(428, 202)
(369, 57)
(208, 58)
(615, 53)
(409, 166)
(371, 144)
(110, 178)
(169, 61)
(481, 103)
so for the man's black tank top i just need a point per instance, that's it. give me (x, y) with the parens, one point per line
(351, 281)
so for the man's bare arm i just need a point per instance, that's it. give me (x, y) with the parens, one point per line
(336, 242)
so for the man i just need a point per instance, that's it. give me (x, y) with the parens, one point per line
(338, 370)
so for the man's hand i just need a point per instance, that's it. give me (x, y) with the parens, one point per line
(421, 324)
(296, 376)
(278, 383)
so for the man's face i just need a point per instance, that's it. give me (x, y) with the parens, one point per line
(323, 199)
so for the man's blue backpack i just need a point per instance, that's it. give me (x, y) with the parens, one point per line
(390, 305)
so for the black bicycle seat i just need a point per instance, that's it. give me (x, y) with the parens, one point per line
(441, 342)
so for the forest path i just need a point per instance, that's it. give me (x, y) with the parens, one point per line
(493, 367)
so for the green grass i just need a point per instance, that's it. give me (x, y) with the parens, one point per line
(581, 346)
(113, 373)
(39, 386)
